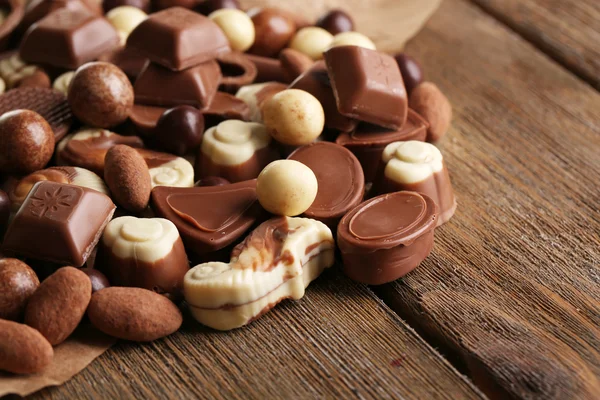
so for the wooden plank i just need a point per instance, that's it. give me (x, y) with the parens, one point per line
(339, 341)
(567, 30)
(512, 286)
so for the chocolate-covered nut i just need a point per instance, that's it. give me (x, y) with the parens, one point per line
(208, 6)
(286, 187)
(418, 167)
(386, 237)
(429, 101)
(127, 176)
(212, 181)
(57, 307)
(17, 283)
(23, 350)
(294, 63)
(336, 21)
(100, 95)
(168, 170)
(294, 117)
(312, 41)
(26, 142)
(411, 70)
(277, 260)
(62, 82)
(134, 314)
(179, 130)
(237, 26)
(5, 208)
(274, 29)
(143, 252)
(98, 279)
(352, 39)
(124, 19)
(235, 150)
(143, 5)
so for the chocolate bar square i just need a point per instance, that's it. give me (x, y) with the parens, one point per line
(195, 86)
(68, 38)
(177, 38)
(367, 85)
(59, 223)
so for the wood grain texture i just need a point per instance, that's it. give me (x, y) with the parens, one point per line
(339, 341)
(567, 30)
(512, 286)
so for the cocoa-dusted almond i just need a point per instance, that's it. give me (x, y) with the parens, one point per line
(128, 178)
(134, 314)
(23, 350)
(429, 101)
(57, 307)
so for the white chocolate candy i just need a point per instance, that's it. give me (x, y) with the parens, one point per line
(237, 26)
(352, 39)
(276, 261)
(412, 161)
(125, 19)
(248, 95)
(63, 81)
(13, 70)
(312, 41)
(177, 172)
(234, 142)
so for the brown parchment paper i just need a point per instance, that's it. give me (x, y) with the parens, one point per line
(389, 23)
(70, 357)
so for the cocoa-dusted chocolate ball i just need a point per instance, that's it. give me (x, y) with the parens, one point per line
(4, 212)
(17, 283)
(274, 28)
(26, 142)
(143, 5)
(411, 70)
(212, 181)
(98, 279)
(336, 21)
(209, 6)
(179, 130)
(100, 95)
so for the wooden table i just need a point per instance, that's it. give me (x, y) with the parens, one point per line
(507, 305)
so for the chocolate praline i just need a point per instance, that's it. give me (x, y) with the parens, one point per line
(274, 29)
(98, 279)
(179, 130)
(411, 70)
(336, 21)
(17, 283)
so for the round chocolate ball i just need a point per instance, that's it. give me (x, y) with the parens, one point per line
(273, 29)
(4, 212)
(336, 21)
(212, 181)
(411, 70)
(100, 95)
(17, 283)
(179, 130)
(98, 279)
(143, 5)
(26, 142)
(208, 6)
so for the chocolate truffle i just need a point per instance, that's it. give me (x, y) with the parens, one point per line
(411, 70)
(336, 21)
(100, 95)
(274, 29)
(26, 142)
(179, 130)
(17, 283)
(429, 101)
(98, 279)
(386, 237)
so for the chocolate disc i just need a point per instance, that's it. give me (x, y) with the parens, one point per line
(50, 104)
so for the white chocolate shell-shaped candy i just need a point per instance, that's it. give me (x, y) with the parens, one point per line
(412, 161)
(234, 142)
(177, 173)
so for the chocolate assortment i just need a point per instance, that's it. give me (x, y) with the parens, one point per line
(184, 150)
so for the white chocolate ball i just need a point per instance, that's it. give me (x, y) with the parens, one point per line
(352, 39)
(294, 117)
(125, 19)
(312, 41)
(286, 187)
(237, 26)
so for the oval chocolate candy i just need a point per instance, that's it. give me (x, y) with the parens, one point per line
(386, 237)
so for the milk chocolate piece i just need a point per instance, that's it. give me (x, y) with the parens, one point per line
(419, 167)
(38, 9)
(168, 170)
(50, 104)
(143, 252)
(195, 86)
(237, 71)
(177, 39)
(367, 85)
(340, 178)
(278, 260)
(145, 118)
(267, 69)
(235, 150)
(386, 237)
(223, 107)
(368, 141)
(208, 218)
(127, 59)
(316, 82)
(87, 148)
(68, 39)
(64, 221)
